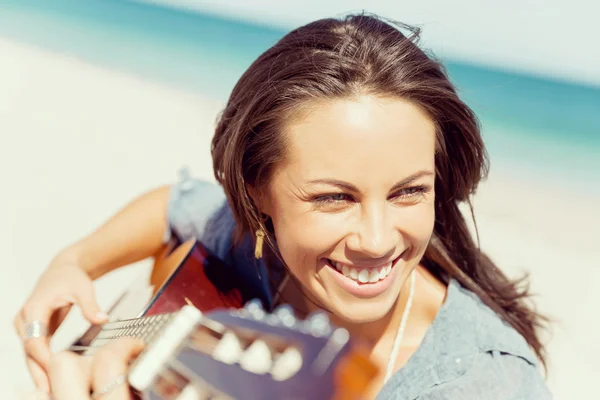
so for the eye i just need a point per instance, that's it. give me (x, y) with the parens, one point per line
(332, 198)
(411, 193)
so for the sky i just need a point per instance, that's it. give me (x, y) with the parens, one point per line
(553, 38)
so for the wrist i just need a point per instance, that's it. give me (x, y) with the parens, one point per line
(77, 256)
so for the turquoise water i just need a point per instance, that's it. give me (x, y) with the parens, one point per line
(546, 126)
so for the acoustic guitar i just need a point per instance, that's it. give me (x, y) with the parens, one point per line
(208, 338)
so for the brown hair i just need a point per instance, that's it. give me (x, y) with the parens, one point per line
(343, 58)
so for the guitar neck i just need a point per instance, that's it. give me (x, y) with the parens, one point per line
(245, 353)
(144, 328)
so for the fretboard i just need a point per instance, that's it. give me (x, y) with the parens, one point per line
(144, 328)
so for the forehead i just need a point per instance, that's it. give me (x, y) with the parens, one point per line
(361, 138)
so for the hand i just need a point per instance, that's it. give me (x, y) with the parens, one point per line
(74, 377)
(63, 284)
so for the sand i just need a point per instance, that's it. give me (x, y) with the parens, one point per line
(79, 141)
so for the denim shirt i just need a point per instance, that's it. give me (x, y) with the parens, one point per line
(468, 352)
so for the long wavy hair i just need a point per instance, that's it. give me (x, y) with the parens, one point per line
(363, 54)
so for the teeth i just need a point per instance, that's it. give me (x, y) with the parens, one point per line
(354, 274)
(364, 275)
(374, 276)
(346, 270)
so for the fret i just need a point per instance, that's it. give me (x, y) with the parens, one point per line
(144, 328)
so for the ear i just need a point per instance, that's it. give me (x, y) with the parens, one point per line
(260, 199)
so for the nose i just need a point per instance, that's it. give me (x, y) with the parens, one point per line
(375, 234)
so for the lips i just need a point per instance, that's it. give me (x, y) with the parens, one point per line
(364, 282)
(363, 275)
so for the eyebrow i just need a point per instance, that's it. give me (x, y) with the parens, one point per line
(350, 187)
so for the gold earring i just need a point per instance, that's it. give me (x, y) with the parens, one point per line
(258, 249)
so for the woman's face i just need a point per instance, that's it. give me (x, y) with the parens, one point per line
(352, 205)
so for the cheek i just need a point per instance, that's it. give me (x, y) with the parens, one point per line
(305, 237)
(417, 225)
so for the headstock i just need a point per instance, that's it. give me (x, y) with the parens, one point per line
(251, 354)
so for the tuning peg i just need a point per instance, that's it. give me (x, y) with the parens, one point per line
(287, 364)
(229, 349)
(257, 358)
(317, 323)
(255, 309)
(285, 314)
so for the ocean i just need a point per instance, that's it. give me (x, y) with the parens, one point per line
(532, 125)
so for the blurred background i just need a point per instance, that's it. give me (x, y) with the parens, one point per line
(102, 100)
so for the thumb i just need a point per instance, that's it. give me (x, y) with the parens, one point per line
(86, 300)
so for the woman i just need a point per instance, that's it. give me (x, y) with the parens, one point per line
(342, 156)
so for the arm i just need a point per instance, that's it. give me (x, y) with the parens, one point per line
(134, 233)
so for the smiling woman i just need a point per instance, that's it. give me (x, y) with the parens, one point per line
(358, 174)
(347, 150)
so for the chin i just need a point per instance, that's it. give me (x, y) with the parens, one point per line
(363, 311)
(356, 310)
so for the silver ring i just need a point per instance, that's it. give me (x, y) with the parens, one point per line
(35, 329)
(119, 380)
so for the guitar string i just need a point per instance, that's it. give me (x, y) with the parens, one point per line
(204, 346)
(140, 327)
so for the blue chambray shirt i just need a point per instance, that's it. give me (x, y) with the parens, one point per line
(468, 352)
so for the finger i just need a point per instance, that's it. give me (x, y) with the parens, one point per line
(86, 300)
(18, 325)
(40, 379)
(36, 348)
(111, 362)
(38, 358)
(69, 376)
(57, 312)
(36, 371)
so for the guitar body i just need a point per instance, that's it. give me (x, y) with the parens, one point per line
(183, 274)
(190, 274)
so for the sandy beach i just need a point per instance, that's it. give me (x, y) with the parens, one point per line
(79, 141)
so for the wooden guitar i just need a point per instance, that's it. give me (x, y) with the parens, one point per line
(202, 344)
(182, 274)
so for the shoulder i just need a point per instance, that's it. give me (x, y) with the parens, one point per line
(497, 361)
(469, 352)
(198, 209)
(493, 375)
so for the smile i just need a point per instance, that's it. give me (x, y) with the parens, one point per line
(364, 282)
(363, 275)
